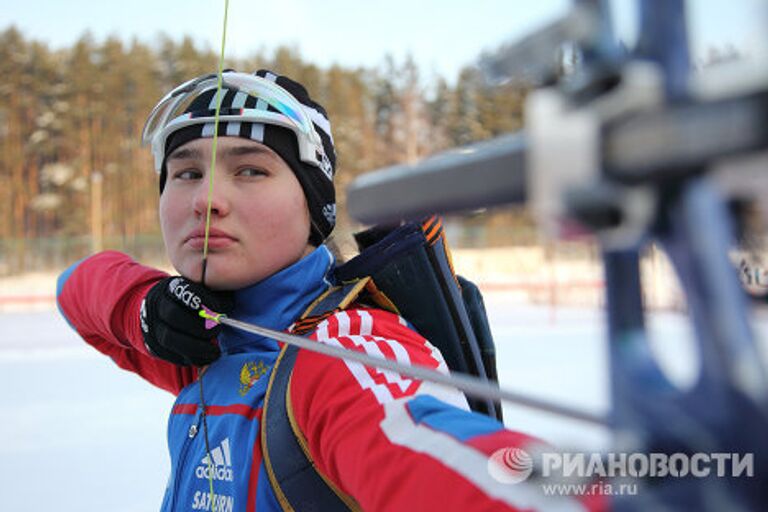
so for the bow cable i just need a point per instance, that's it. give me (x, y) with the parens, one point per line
(211, 172)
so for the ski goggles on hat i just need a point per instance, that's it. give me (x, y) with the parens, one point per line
(171, 114)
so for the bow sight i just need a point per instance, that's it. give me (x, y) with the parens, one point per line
(635, 148)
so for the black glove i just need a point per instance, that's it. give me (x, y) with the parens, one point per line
(172, 327)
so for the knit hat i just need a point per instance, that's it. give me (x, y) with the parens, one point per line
(316, 182)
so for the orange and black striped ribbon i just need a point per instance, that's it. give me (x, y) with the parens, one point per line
(433, 229)
(308, 324)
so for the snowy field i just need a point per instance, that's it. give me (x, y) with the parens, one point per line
(80, 435)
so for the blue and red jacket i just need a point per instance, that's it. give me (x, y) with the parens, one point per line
(389, 442)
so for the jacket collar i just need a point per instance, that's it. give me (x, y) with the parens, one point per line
(278, 301)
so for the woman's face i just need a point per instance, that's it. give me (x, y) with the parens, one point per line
(259, 216)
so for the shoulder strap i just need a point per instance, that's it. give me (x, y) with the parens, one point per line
(297, 482)
(336, 298)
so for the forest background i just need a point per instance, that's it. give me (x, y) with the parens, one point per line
(76, 178)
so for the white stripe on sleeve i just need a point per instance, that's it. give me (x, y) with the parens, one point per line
(469, 463)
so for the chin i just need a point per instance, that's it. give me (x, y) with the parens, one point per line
(219, 275)
(217, 280)
(229, 280)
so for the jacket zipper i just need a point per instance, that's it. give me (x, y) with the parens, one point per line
(192, 432)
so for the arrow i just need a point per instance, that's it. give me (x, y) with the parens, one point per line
(469, 384)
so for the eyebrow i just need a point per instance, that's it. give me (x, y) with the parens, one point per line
(189, 153)
(184, 153)
(246, 150)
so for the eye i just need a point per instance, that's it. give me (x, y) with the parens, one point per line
(187, 174)
(251, 172)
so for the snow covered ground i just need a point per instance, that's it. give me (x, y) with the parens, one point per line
(80, 435)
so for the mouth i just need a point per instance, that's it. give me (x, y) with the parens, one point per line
(217, 239)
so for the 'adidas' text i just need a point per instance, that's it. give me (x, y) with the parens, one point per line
(221, 466)
(186, 296)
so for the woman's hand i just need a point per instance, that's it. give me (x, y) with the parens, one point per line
(171, 323)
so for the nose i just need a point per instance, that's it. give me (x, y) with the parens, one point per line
(219, 202)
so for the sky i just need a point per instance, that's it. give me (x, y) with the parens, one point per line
(441, 35)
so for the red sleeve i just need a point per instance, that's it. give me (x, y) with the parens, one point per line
(100, 297)
(395, 443)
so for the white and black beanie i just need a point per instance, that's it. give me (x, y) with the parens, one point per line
(318, 187)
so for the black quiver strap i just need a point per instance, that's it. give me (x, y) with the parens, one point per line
(297, 483)
(473, 302)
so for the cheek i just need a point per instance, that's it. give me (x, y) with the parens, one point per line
(166, 217)
(281, 218)
(296, 216)
(171, 220)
